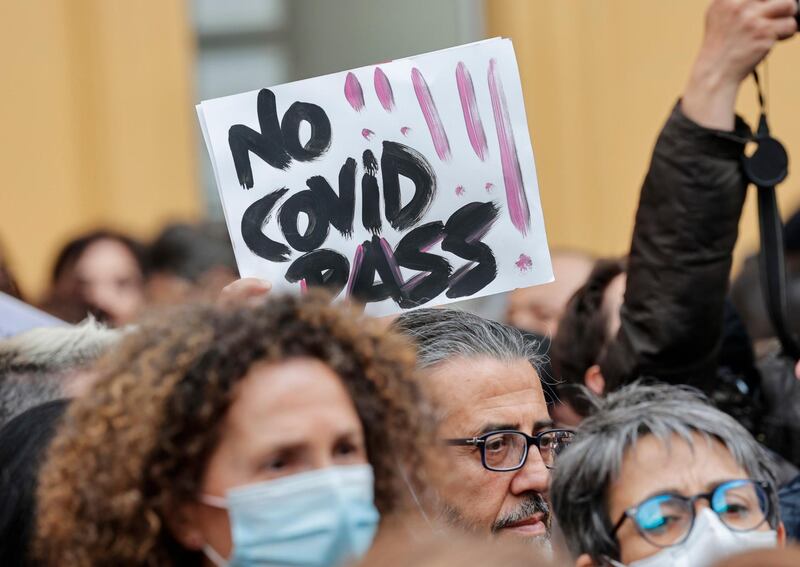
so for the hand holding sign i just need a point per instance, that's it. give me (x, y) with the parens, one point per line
(391, 195)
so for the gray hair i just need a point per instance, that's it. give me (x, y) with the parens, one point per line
(35, 364)
(443, 334)
(593, 461)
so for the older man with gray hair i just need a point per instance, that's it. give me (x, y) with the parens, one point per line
(499, 442)
(48, 363)
(658, 477)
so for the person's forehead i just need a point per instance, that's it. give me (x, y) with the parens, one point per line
(656, 465)
(470, 392)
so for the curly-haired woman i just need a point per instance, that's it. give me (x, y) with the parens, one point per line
(232, 437)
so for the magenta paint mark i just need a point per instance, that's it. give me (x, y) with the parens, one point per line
(383, 88)
(389, 254)
(367, 133)
(428, 107)
(472, 116)
(489, 186)
(358, 258)
(353, 92)
(432, 243)
(460, 190)
(405, 130)
(524, 263)
(512, 174)
(303, 286)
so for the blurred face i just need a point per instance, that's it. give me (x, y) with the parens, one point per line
(539, 308)
(474, 396)
(652, 468)
(108, 277)
(287, 418)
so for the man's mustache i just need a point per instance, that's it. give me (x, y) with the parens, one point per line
(534, 503)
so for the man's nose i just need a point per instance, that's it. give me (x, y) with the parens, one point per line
(533, 476)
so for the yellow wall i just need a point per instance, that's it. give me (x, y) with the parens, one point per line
(96, 123)
(600, 77)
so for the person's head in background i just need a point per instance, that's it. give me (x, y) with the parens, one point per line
(480, 378)
(103, 273)
(245, 435)
(538, 309)
(8, 283)
(23, 442)
(657, 476)
(50, 363)
(189, 262)
(591, 320)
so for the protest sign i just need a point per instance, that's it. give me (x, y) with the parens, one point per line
(401, 184)
(17, 317)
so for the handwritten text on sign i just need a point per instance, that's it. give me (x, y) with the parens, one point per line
(400, 185)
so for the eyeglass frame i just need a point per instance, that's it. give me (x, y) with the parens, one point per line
(480, 442)
(692, 500)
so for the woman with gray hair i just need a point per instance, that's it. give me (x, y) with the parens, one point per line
(657, 476)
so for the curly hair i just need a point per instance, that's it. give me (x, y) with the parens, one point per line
(137, 446)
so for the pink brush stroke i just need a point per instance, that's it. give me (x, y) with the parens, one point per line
(303, 286)
(460, 190)
(472, 116)
(489, 186)
(428, 107)
(383, 88)
(358, 258)
(512, 174)
(524, 263)
(367, 133)
(405, 130)
(353, 92)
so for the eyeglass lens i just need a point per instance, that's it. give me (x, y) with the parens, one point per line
(666, 519)
(508, 450)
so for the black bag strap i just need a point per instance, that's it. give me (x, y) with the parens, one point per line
(768, 166)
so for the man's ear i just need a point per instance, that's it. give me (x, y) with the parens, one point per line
(781, 535)
(593, 378)
(585, 561)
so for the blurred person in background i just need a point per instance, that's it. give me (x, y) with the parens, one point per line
(538, 309)
(102, 273)
(265, 435)
(50, 363)
(23, 442)
(190, 262)
(8, 284)
(656, 476)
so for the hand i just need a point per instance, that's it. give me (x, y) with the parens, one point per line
(245, 290)
(738, 35)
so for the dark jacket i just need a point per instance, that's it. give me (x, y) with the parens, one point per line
(678, 275)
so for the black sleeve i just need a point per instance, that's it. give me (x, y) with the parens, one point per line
(680, 258)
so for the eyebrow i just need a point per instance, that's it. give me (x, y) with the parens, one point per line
(489, 427)
(543, 424)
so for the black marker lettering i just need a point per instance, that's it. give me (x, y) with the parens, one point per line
(253, 221)
(341, 207)
(320, 139)
(422, 288)
(396, 160)
(322, 267)
(317, 230)
(463, 232)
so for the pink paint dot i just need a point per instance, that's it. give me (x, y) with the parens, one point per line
(489, 186)
(460, 190)
(524, 263)
(405, 130)
(367, 133)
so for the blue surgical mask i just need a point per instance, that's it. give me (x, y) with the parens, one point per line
(324, 517)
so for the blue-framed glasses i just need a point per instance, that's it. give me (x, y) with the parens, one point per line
(667, 519)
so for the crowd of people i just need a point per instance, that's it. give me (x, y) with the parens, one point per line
(629, 414)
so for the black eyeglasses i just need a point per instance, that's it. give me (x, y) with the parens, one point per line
(667, 519)
(507, 450)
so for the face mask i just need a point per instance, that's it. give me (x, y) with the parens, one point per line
(324, 517)
(709, 541)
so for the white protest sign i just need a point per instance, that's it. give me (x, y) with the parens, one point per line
(17, 317)
(401, 184)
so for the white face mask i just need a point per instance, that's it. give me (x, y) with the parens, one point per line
(709, 542)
